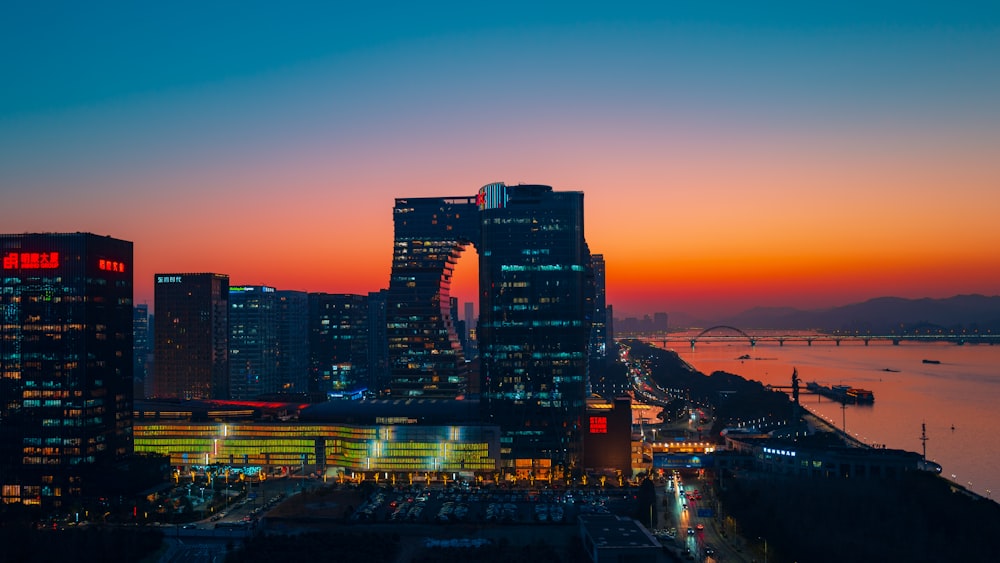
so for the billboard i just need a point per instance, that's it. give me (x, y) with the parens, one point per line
(681, 461)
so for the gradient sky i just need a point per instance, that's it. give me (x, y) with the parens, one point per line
(732, 154)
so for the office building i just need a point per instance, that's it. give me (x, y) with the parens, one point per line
(425, 354)
(293, 341)
(599, 327)
(378, 344)
(66, 361)
(536, 302)
(141, 350)
(253, 341)
(338, 344)
(191, 335)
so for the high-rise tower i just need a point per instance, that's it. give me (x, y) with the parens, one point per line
(536, 302)
(253, 341)
(338, 343)
(425, 356)
(191, 335)
(65, 363)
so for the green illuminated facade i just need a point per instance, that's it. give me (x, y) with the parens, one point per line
(394, 448)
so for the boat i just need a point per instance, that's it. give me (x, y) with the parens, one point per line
(843, 393)
(932, 361)
(890, 370)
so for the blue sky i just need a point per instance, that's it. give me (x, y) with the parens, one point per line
(711, 112)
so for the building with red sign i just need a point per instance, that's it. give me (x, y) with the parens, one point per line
(65, 363)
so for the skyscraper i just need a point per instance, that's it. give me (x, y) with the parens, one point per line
(191, 325)
(425, 356)
(253, 341)
(293, 341)
(140, 349)
(378, 343)
(338, 343)
(599, 329)
(536, 302)
(65, 363)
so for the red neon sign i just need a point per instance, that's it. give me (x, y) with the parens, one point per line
(111, 266)
(31, 260)
(598, 425)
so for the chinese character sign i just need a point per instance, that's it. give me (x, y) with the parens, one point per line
(31, 260)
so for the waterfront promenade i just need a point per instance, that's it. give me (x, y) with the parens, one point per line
(817, 423)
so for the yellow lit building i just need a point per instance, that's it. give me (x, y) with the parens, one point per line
(351, 437)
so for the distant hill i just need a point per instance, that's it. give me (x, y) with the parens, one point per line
(883, 314)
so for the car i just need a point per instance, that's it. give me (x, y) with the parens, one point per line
(709, 550)
(188, 527)
(700, 527)
(690, 531)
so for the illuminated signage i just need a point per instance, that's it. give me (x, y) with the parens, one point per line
(492, 196)
(598, 425)
(111, 265)
(250, 289)
(31, 260)
(168, 279)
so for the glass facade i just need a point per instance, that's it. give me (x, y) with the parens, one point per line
(140, 349)
(293, 341)
(338, 343)
(536, 302)
(66, 362)
(191, 334)
(253, 341)
(599, 330)
(425, 354)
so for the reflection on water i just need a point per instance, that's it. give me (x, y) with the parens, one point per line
(955, 398)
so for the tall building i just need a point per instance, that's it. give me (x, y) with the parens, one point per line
(66, 363)
(293, 341)
(140, 349)
(253, 341)
(536, 302)
(191, 350)
(378, 343)
(425, 355)
(338, 344)
(599, 328)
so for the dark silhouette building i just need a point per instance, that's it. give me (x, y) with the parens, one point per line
(338, 343)
(425, 354)
(66, 363)
(141, 350)
(293, 341)
(253, 341)
(536, 300)
(378, 343)
(536, 303)
(191, 336)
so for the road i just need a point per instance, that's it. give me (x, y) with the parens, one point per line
(685, 511)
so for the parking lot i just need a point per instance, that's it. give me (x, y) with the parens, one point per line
(489, 505)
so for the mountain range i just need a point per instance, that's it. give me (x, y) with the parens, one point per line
(879, 315)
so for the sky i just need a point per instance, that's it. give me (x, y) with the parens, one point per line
(732, 154)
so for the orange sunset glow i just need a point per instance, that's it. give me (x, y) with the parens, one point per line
(725, 165)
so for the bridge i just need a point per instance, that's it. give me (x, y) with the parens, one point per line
(726, 333)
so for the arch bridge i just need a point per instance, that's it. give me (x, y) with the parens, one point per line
(751, 339)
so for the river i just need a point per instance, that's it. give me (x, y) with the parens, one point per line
(957, 399)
